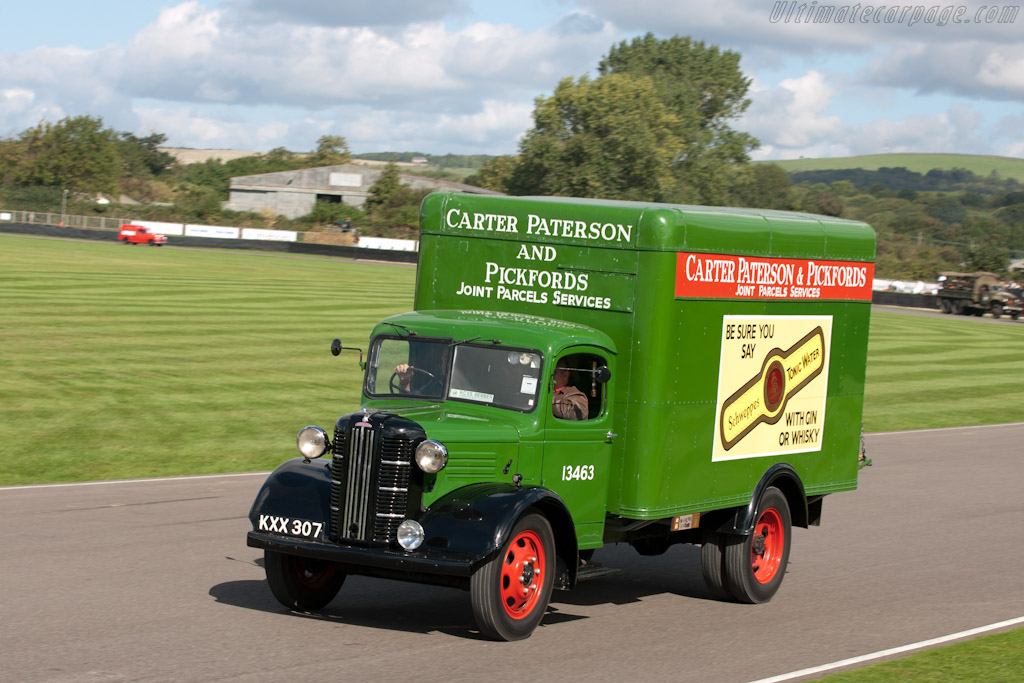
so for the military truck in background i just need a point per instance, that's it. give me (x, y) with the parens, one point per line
(721, 353)
(976, 294)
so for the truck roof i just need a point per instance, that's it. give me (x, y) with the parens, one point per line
(649, 226)
(511, 329)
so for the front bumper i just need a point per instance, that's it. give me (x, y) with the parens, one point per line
(367, 560)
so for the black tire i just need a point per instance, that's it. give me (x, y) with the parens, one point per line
(302, 583)
(712, 566)
(503, 610)
(945, 306)
(997, 311)
(756, 564)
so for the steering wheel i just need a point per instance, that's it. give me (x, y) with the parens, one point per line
(395, 382)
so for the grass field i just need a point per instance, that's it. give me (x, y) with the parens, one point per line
(942, 372)
(131, 361)
(123, 362)
(1008, 167)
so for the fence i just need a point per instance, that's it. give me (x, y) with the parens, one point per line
(210, 232)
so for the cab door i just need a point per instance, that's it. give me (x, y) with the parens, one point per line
(577, 452)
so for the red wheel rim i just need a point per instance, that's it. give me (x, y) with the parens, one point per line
(768, 543)
(312, 574)
(522, 575)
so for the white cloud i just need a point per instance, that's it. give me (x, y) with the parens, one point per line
(348, 13)
(791, 120)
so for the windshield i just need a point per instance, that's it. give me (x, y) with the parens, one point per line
(419, 368)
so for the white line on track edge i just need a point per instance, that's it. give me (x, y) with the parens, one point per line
(253, 474)
(133, 481)
(944, 429)
(890, 652)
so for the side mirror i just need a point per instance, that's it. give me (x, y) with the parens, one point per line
(337, 348)
(603, 374)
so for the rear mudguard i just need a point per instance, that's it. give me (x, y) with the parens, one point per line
(741, 520)
(462, 530)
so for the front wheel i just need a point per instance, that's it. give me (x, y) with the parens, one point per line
(755, 564)
(510, 593)
(302, 583)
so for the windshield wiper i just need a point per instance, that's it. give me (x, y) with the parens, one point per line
(473, 339)
(402, 328)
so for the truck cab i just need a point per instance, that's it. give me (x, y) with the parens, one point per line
(715, 359)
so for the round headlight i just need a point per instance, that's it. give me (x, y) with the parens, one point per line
(410, 534)
(431, 456)
(312, 442)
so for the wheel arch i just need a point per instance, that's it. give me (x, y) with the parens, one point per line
(477, 520)
(783, 477)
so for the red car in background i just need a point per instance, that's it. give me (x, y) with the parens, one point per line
(136, 234)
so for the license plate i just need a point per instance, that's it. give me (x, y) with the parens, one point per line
(290, 526)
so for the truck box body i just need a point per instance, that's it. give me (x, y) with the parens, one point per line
(623, 269)
(582, 372)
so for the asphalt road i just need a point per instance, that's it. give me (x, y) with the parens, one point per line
(152, 581)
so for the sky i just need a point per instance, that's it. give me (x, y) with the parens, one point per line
(461, 76)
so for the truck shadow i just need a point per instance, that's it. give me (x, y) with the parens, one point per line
(415, 608)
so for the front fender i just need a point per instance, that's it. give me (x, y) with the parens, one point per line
(297, 489)
(477, 520)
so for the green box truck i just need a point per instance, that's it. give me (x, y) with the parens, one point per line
(582, 372)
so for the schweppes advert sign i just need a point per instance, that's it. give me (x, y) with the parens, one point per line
(772, 386)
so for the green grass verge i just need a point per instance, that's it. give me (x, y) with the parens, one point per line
(997, 658)
(926, 372)
(133, 361)
(982, 165)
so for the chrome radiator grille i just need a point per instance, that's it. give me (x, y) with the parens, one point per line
(370, 482)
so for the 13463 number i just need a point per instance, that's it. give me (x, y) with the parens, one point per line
(577, 473)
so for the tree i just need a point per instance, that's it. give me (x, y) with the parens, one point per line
(495, 174)
(142, 156)
(704, 88)
(331, 150)
(608, 138)
(392, 204)
(76, 153)
(990, 257)
(766, 186)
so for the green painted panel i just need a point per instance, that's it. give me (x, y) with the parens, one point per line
(550, 273)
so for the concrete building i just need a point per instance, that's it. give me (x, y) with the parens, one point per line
(294, 193)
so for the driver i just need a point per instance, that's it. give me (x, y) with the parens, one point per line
(569, 403)
(404, 372)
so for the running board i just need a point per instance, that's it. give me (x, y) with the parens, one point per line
(592, 570)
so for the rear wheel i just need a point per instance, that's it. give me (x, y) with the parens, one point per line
(302, 583)
(755, 564)
(997, 311)
(510, 593)
(945, 306)
(712, 566)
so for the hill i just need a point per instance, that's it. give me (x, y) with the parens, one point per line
(1007, 167)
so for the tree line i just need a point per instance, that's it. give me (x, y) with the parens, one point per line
(653, 124)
